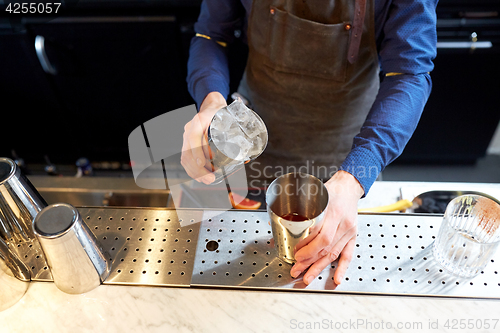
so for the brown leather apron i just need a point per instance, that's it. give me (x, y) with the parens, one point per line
(312, 75)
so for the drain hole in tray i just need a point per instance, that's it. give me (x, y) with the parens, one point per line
(212, 245)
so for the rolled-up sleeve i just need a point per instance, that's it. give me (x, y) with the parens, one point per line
(407, 46)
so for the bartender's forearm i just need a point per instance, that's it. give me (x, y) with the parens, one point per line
(408, 46)
(208, 70)
(388, 127)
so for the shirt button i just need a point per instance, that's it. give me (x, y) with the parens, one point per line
(347, 26)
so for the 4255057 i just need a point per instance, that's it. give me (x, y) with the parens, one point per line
(471, 324)
(33, 8)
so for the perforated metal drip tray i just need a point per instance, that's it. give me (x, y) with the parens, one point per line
(154, 247)
(393, 255)
(161, 247)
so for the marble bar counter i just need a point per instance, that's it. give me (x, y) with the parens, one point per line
(112, 308)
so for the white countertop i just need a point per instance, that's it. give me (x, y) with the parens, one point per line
(144, 309)
(151, 309)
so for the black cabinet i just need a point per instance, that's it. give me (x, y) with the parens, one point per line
(25, 94)
(111, 74)
(104, 76)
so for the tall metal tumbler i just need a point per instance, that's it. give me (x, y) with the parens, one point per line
(76, 260)
(296, 203)
(19, 203)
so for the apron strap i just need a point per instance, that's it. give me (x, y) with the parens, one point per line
(357, 31)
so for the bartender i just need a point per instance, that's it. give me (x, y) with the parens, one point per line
(341, 86)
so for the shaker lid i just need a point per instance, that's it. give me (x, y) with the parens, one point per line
(55, 219)
(7, 169)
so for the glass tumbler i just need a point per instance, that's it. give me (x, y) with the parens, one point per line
(469, 235)
(236, 136)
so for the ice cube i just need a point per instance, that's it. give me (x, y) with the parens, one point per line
(222, 120)
(217, 135)
(244, 146)
(234, 130)
(239, 111)
(253, 127)
(230, 149)
(257, 147)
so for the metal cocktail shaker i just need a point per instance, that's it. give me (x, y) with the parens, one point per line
(19, 204)
(76, 260)
(296, 204)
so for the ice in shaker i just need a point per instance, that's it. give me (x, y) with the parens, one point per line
(238, 132)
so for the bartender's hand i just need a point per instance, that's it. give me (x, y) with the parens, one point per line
(337, 236)
(194, 158)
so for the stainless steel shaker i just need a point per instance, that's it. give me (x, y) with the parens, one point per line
(76, 260)
(296, 204)
(19, 204)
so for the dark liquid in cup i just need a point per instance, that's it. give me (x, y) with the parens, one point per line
(296, 217)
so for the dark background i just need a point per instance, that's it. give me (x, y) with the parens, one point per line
(122, 63)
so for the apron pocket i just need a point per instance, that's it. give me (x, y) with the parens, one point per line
(304, 47)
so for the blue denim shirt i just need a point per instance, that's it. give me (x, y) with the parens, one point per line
(405, 34)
